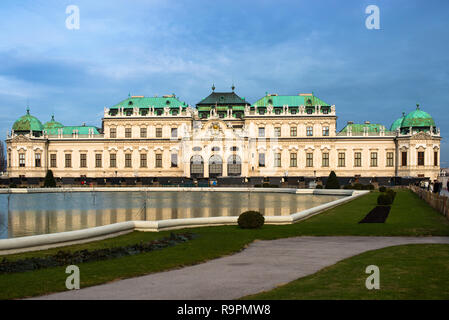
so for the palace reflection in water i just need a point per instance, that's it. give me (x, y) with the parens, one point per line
(32, 214)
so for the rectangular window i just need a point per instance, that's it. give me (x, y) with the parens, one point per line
(174, 132)
(293, 131)
(113, 160)
(143, 132)
(373, 159)
(22, 160)
(420, 158)
(158, 160)
(277, 131)
(261, 132)
(68, 160)
(113, 132)
(435, 158)
(357, 159)
(341, 159)
(293, 159)
(277, 160)
(83, 160)
(390, 159)
(143, 160)
(325, 131)
(174, 160)
(128, 133)
(158, 132)
(325, 162)
(261, 159)
(9, 159)
(309, 160)
(309, 131)
(404, 158)
(53, 160)
(37, 160)
(128, 160)
(98, 161)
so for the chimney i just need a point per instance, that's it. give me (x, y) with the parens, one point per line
(350, 122)
(367, 122)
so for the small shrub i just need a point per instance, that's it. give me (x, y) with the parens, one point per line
(384, 199)
(319, 186)
(49, 181)
(357, 186)
(13, 185)
(382, 189)
(392, 194)
(332, 181)
(251, 220)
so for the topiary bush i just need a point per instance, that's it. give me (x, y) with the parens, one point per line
(49, 181)
(332, 181)
(251, 220)
(382, 189)
(392, 194)
(319, 186)
(384, 199)
(357, 186)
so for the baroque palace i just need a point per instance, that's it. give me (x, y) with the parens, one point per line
(224, 136)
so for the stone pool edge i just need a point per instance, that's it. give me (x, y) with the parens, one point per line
(53, 240)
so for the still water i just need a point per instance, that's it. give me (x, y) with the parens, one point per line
(32, 214)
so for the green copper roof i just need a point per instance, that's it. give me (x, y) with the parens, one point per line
(358, 128)
(52, 124)
(69, 130)
(146, 102)
(27, 123)
(279, 101)
(418, 118)
(397, 124)
(223, 98)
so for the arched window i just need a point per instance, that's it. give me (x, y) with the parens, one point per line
(234, 165)
(215, 166)
(197, 166)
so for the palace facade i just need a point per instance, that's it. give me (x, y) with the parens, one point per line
(224, 136)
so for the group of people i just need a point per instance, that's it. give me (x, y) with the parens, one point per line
(433, 186)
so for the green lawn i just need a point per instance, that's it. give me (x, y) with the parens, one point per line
(409, 216)
(417, 271)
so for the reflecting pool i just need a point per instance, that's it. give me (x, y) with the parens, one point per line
(40, 213)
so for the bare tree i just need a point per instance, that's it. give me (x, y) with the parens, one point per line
(2, 157)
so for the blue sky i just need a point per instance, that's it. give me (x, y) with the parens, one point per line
(285, 47)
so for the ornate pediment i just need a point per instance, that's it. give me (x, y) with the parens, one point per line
(421, 136)
(20, 139)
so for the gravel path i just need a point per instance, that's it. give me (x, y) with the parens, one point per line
(262, 266)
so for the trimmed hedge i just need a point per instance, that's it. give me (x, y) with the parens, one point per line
(382, 189)
(251, 220)
(63, 258)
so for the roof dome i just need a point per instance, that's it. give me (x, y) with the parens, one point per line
(398, 123)
(418, 118)
(53, 124)
(27, 123)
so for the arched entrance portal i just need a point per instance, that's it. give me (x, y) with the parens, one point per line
(196, 166)
(234, 165)
(215, 166)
